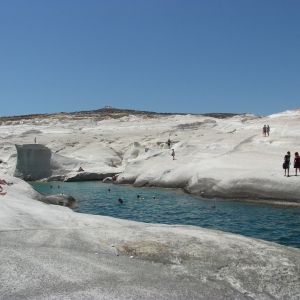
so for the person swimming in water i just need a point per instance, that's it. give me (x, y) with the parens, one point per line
(120, 201)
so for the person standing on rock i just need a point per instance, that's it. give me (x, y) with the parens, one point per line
(296, 163)
(268, 130)
(264, 130)
(286, 164)
(169, 143)
(173, 154)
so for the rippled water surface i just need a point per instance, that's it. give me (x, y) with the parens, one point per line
(276, 223)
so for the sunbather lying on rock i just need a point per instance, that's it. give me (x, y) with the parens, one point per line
(2, 193)
(2, 181)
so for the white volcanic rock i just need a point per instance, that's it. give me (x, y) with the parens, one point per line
(216, 157)
(51, 252)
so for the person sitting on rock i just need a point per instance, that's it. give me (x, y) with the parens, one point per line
(80, 170)
(114, 178)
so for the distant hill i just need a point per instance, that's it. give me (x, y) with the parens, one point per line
(111, 112)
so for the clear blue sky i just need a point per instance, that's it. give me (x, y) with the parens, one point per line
(189, 56)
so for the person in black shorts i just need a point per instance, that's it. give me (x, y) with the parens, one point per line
(286, 164)
(296, 163)
(169, 143)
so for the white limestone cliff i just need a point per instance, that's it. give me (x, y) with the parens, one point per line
(215, 157)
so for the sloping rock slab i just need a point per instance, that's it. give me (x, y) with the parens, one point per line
(60, 199)
(87, 176)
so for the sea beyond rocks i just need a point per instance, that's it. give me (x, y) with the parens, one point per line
(50, 252)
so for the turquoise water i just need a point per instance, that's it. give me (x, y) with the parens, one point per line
(276, 223)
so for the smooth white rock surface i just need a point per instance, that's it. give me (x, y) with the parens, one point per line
(214, 157)
(50, 252)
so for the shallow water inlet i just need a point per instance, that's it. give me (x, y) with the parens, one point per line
(276, 223)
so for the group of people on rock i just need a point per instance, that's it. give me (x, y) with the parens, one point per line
(266, 130)
(287, 163)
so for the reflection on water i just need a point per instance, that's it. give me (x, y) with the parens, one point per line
(277, 223)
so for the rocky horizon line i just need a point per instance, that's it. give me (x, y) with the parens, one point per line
(106, 110)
